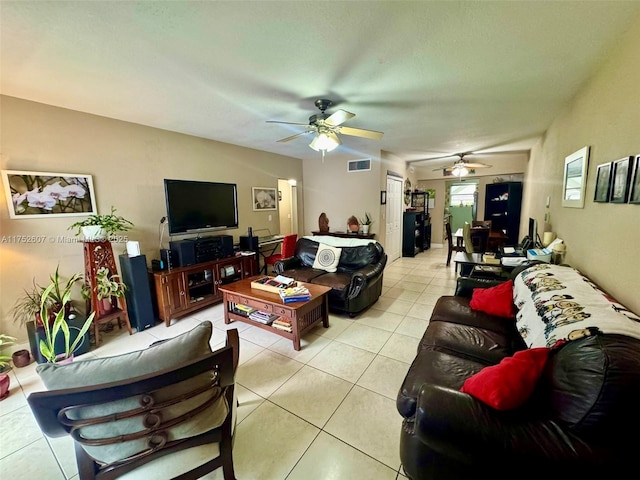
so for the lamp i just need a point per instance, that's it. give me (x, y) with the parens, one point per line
(459, 170)
(325, 141)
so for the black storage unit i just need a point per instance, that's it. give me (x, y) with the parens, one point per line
(413, 233)
(502, 205)
(142, 310)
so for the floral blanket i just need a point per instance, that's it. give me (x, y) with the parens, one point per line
(559, 303)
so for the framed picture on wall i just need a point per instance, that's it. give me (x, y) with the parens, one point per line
(634, 193)
(264, 198)
(575, 178)
(621, 179)
(48, 195)
(603, 182)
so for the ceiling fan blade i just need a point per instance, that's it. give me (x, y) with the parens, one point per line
(287, 123)
(476, 165)
(359, 132)
(295, 136)
(339, 117)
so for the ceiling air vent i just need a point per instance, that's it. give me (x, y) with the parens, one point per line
(359, 165)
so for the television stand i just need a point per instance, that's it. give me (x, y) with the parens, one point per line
(184, 290)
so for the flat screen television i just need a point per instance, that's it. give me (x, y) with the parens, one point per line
(194, 206)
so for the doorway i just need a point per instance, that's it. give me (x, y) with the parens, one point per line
(462, 202)
(393, 215)
(287, 206)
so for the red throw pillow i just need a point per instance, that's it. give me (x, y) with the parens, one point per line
(496, 300)
(510, 383)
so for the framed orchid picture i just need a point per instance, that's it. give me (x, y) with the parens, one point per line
(46, 194)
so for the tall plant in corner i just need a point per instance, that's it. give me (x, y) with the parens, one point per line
(59, 324)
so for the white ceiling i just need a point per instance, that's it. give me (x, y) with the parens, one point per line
(436, 77)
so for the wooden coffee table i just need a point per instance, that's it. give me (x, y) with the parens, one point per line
(303, 315)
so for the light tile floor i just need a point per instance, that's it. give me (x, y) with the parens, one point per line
(325, 412)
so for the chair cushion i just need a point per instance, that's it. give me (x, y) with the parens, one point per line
(327, 258)
(162, 355)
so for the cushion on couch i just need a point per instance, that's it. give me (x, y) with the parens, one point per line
(510, 383)
(327, 258)
(496, 300)
(163, 355)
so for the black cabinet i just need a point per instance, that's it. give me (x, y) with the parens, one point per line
(413, 233)
(502, 205)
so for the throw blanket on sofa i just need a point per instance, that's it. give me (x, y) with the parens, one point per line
(554, 301)
(340, 241)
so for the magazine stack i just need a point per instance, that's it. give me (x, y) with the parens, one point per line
(295, 294)
(263, 317)
(282, 323)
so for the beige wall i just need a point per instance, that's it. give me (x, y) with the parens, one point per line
(128, 163)
(602, 239)
(329, 188)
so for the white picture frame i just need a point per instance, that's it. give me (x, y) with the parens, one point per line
(48, 194)
(574, 180)
(264, 198)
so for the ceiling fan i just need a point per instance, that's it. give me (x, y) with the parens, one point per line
(327, 127)
(461, 167)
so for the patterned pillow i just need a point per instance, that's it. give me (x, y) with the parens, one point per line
(327, 258)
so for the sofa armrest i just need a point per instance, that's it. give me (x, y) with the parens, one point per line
(465, 285)
(287, 264)
(455, 423)
(366, 275)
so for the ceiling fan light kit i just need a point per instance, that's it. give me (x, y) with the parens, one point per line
(326, 127)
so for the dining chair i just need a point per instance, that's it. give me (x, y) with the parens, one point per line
(287, 250)
(479, 237)
(452, 244)
(176, 423)
(481, 223)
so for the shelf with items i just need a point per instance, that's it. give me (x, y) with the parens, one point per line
(413, 233)
(502, 206)
(182, 290)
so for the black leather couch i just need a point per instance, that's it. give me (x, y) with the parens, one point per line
(355, 285)
(580, 422)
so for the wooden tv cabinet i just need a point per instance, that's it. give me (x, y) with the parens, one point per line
(183, 290)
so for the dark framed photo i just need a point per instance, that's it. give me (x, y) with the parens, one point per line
(383, 197)
(621, 178)
(634, 194)
(603, 182)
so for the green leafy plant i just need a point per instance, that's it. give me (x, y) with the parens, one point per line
(27, 306)
(108, 285)
(59, 324)
(5, 341)
(111, 223)
(367, 220)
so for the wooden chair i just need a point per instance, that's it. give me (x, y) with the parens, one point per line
(100, 419)
(452, 244)
(479, 239)
(287, 250)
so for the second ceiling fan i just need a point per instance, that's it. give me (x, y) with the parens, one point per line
(461, 167)
(327, 127)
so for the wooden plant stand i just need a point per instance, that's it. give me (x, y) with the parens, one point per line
(98, 255)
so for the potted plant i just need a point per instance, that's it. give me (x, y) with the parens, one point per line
(101, 227)
(107, 287)
(47, 345)
(365, 223)
(5, 381)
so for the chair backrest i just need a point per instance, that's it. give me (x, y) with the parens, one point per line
(447, 227)
(289, 245)
(146, 423)
(479, 239)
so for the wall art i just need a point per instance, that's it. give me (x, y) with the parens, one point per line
(621, 174)
(603, 183)
(264, 198)
(46, 194)
(575, 178)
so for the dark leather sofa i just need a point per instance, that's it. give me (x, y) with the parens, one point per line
(581, 421)
(355, 285)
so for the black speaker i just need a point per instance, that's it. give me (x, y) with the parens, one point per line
(183, 253)
(166, 259)
(37, 334)
(140, 306)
